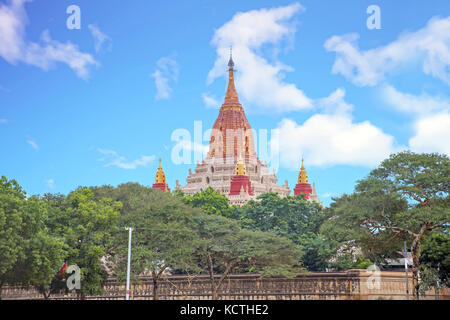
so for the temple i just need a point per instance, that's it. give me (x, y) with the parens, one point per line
(160, 179)
(231, 140)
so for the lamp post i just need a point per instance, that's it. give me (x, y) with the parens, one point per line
(127, 295)
(406, 269)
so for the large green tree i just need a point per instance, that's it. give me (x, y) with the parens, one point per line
(44, 253)
(29, 255)
(404, 199)
(87, 226)
(163, 233)
(12, 200)
(223, 247)
(294, 218)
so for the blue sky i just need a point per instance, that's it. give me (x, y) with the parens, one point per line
(98, 105)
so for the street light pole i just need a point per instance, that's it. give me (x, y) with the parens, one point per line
(127, 296)
(406, 269)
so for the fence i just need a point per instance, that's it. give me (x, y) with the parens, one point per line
(349, 285)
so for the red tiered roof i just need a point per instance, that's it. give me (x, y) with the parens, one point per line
(239, 182)
(161, 186)
(303, 188)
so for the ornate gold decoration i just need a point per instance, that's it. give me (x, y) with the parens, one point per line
(240, 167)
(302, 176)
(160, 176)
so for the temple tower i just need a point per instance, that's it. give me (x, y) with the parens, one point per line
(160, 179)
(231, 133)
(304, 187)
(231, 138)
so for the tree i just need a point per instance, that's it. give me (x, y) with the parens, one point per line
(435, 262)
(12, 199)
(223, 246)
(86, 225)
(29, 255)
(162, 237)
(43, 252)
(292, 217)
(405, 198)
(210, 201)
(317, 251)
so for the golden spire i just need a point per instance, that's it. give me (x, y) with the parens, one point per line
(302, 176)
(231, 94)
(160, 177)
(240, 169)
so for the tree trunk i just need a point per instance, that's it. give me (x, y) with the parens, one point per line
(211, 277)
(156, 277)
(155, 288)
(214, 294)
(415, 254)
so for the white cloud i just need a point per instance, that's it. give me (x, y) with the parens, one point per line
(432, 134)
(431, 116)
(247, 32)
(100, 38)
(33, 144)
(14, 47)
(368, 68)
(50, 183)
(332, 138)
(167, 70)
(112, 158)
(413, 104)
(210, 101)
(3, 121)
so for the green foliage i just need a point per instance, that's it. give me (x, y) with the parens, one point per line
(435, 261)
(223, 247)
(290, 217)
(348, 224)
(12, 200)
(86, 225)
(362, 263)
(29, 255)
(347, 262)
(163, 233)
(404, 199)
(398, 199)
(210, 201)
(317, 251)
(293, 218)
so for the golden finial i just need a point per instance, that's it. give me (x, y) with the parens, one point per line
(160, 177)
(302, 176)
(240, 169)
